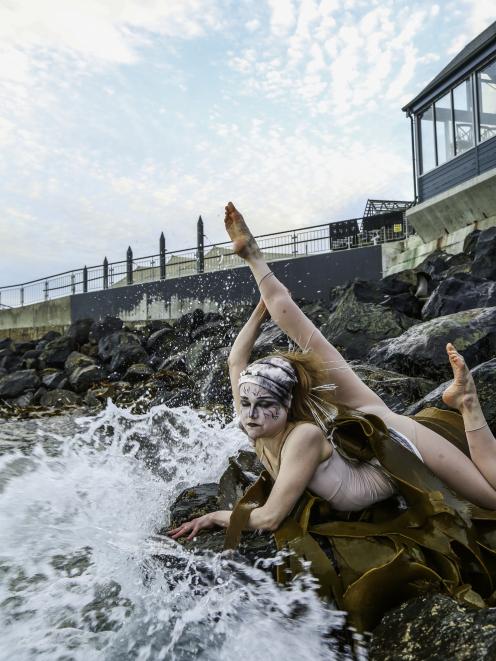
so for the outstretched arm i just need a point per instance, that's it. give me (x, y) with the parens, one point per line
(301, 456)
(239, 356)
(350, 390)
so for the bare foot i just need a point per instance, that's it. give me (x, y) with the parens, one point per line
(461, 394)
(244, 243)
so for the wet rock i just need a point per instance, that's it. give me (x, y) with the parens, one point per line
(6, 343)
(3, 372)
(49, 336)
(215, 328)
(242, 471)
(484, 265)
(110, 344)
(270, 339)
(155, 325)
(421, 350)
(462, 291)
(124, 357)
(216, 386)
(15, 384)
(103, 327)
(179, 397)
(76, 359)
(83, 377)
(359, 321)
(485, 382)
(138, 372)
(53, 378)
(189, 322)
(165, 343)
(9, 360)
(26, 399)
(175, 363)
(60, 398)
(38, 394)
(21, 347)
(435, 627)
(470, 243)
(79, 331)
(397, 390)
(195, 501)
(90, 349)
(56, 352)
(92, 400)
(30, 359)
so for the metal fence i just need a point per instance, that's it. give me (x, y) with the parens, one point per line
(290, 244)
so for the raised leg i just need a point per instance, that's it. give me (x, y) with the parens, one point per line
(462, 395)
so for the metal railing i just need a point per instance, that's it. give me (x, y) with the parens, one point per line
(289, 244)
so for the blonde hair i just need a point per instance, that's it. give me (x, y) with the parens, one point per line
(312, 394)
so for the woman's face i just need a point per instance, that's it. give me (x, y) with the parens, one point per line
(261, 413)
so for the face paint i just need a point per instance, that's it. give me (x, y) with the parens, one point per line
(261, 414)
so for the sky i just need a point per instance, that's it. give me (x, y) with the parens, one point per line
(122, 119)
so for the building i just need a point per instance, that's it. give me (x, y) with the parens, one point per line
(453, 124)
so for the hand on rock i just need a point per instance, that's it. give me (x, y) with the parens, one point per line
(193, 527)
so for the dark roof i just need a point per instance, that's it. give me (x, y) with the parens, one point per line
(469, 51)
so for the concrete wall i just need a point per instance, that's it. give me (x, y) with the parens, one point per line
(32, 321)
(455, 209)
(309, 277)
(408, 254)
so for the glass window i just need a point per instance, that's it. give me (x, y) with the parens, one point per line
(444, 129)
(464, 111)
(427, 140)
(486, 83)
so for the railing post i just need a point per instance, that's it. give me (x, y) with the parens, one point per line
(21, 292)
(200, 254)
(73, 283)
(105, 273)
(162, 256)
(85, 280)
(46, 290)
(129, 259)
(295, 248)
(330, 237)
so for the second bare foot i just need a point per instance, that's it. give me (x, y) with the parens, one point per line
(244, 243)
(461, 394)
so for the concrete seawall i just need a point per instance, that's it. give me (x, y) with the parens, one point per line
(310, 277)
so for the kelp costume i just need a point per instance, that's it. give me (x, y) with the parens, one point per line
(425, 539)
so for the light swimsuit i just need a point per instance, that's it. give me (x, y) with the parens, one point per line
(346, 484)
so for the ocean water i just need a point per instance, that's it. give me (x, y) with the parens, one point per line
(83, 574)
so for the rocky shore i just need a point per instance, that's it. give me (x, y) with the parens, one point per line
(394, 332)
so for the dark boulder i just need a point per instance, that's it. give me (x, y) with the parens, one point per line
(76, 359)
(193, 502)
(189, 322)
(104, 327)
(485, 382)
(175, 363)
(397, 390)
(24, 400)
(484, 265)
(177, 397)
(79, 331)
(215, 389)
(165, 343)
(6, 343)
(470, 243)
(49, 336)
(20, 347)
(421, 350)
(56, 352)
(83, 377)
(57, 398)
(155, 325)
(17, 383)
(359, 321)
(125, 356)
(113, 342)
(9, 360)
(53, 378)
(270, 339)
(435, 627)
(138, 372)
(30, 359)
(242, 471)
(462, 291)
